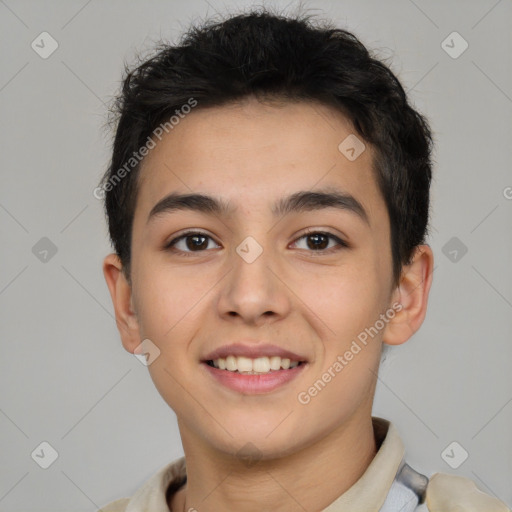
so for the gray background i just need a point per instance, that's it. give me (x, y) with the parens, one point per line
(66, 379)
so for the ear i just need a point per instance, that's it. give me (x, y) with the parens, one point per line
(121, 294)
(412, 292)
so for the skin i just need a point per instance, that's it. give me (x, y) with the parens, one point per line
(311, 302)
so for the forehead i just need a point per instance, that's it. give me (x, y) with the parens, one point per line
(252, 153)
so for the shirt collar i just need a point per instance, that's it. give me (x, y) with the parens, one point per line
(368, 493)
(371, 490)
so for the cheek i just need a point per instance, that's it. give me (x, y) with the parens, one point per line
(349, 303)
(349, 353)
(167, 303)
(170, 316)
(347, 299)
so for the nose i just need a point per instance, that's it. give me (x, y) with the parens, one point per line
(253, 292)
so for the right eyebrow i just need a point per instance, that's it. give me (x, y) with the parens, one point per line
(193, 202)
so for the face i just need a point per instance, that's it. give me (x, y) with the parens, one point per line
(265, 278)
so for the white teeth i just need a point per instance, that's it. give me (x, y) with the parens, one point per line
(231, 364)
(261, 365)
(254, 366)
(244, 364)
(275, 363)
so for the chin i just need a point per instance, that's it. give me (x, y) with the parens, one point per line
(258, 441)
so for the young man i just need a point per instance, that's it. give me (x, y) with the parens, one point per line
(268, 202)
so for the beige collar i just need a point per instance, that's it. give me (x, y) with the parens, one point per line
(368, 493)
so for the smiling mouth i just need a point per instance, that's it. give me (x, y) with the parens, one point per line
(254, 366)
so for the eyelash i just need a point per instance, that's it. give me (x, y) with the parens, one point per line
(343, 245)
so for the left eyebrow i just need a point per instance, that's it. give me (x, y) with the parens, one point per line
(305, 200)
(310, 200)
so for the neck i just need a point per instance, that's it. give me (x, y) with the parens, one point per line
(328, 468)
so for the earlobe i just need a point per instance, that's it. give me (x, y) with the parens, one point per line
(412, 292)
(121, 294)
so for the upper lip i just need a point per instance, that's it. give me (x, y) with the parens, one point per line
(252, 351)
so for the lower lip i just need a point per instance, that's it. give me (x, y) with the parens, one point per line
(254, 384)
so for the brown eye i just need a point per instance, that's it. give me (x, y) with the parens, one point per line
(318, 241)
(194, 242)
(191, 241)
